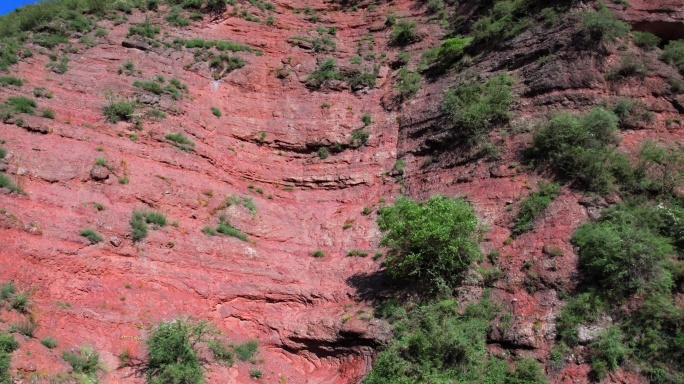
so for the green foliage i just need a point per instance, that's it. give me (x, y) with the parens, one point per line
(366, 119)
(222, 65)
(218, 44)
(646, 40)
(602, 27)
(180, 141)
(175, 18)
(673, 54)
(5, 182)
(221, 352)
(11, 80)
(580, 148)
(622, 257)
(327, 70)
(216, 111)
(20, 104)
(505, 20)
(533, 205)
(155, 218)
(91, 235)
(403, 33)
(246, 350)
(361, 79)
(630, 66)
(144, 29)
(225, 228)
(149, 86)
(7, 290)
(451, 50)
(318, 253)
(255, 373)
(172, 354)
(527, 371)
(407, 83)
(437, 343)
(7, 345)
(118, 111)
(323, 153)
(632, 113)
(359, 138)
(432, 243)
(138, 226)
(85, 360)
(357, 253)
(49, 343)
(475, 108)
(608, 351)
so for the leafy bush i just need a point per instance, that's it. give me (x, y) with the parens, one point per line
(172, 354)
(180, 141)
(437, 343)
(318, 253)
(138, 226)
(24, 327)
(11, 80)
(323, 153)
(432, 243)
(20, 104)
(673, 54)
(149, 86)
(5, 182)
(221, 352)
(49, 343)
(7, 345)
(475, 108)
(579, 148)
(608, 351)
(602, 27)
(144, 29)
(359, 138)
(246, 350)
(225, 228)
(407, 83)
(451, 50)
(620, 256)
(327, 70)
(630, 66)
(155, 218)
(533, 205)
(118, 111)
(224, 64)
(91, 235)
(20, 302)
(646, 40)
(85, 360)
(216, 111)
(403, 33)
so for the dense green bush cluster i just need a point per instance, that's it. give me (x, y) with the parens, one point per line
(7, 345)
(602, 27)
(327, 70)
(534, 205)
(631, 252)
(172, 355)
(225, 228)
(506, 19)
(139, 221)
(673, 53)
(180, 141)
(582, 149)
(91, 235)
(403, 33)
(432, 243)
(438, 343)
(84, 361)
(473, 109)
(118, 111)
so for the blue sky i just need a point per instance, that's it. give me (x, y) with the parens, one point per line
(7, 6)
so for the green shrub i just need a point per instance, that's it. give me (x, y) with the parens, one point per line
(48, 113)
(42, 92)
(225, 228)
(432, 243)
(85, 360)
(632, 113)
(24, 327)
(630, 66)
(359, 138)
(20, 104)
(673, 54)
(323, 153)
(172, 354)
(646, 40)
(175, 18)
(357, 253)
(216, 111)
(474, 108)
(138, 226)
(91, 235)
(11, 80)
(602, 27)
(155, 218)
(403, 33)
(180, 141)
(327, 70)
(608, 351)
(49, 343)
(224, 64)
(246, 351)
(20, 302)
(361, 79)
(527, 371)
(407, 83)
(579, 148)
(7, 290)
(533, 205)
(221, 352)
(5, 182)
(318, 253)
(7, 345)
(451, 50)
(366, 119)
(255, 373)
(621, 257)
(118, 111)
(49, 40)
(149, 86)
(437, 343)
(144, 29)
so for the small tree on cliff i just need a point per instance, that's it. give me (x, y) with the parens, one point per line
(432, 243)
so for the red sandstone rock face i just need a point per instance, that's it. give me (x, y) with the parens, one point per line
(307, 313)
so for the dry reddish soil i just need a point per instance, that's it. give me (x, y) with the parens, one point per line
(309, 314)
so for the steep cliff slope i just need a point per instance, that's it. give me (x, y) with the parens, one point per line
(256, 165)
